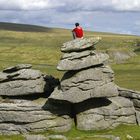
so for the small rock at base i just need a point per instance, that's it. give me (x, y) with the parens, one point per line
(35, 137)
(56, 137)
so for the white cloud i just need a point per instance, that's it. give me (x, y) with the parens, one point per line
(126, 5)
(71, 5)
(27, 4)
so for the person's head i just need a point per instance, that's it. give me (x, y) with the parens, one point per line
(77, 24)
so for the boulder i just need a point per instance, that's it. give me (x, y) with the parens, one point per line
(22, 87)
(20, 80)
(76, 95)
(101, 114)
(131, 94)
(22, 116)
(35, 137)
(89, 83)
(120, 56)
(56, 137)
(78, 61)
(80, 44)
(88, 78)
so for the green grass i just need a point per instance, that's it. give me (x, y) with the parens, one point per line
(11, 137)
(127, 74)
(122, 131)
(41, 48)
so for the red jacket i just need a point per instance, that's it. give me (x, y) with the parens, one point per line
(78, 32)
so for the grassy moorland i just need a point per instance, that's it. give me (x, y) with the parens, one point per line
(40, 47)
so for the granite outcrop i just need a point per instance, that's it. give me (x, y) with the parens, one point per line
(86, 95)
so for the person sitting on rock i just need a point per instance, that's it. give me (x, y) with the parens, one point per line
(78, 31)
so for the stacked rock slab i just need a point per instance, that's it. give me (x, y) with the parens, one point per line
(134, 96)
(23, 107)
(24, 116)
(21, 80)
(88, 84)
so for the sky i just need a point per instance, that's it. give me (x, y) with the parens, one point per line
(117, 16)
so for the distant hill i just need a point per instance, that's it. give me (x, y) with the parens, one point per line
(23, 27)
(36, 28)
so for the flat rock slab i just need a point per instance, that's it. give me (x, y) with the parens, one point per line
(88, 78)
(17, 67)
(136, 103)
(76, 95)
(93, 116)
(21, 80)
(22, 87)
(79, 44)
(22, 116)
(129, 93)
(25, 74)
(83, 62)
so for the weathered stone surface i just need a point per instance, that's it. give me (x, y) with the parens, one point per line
(22, 116)
(96, 116)
(138, 117)
(17, 67)
(129, 93)
(73, 63)
(120, 56)
(110, 137)
(56, 137)
(78, 55)
(22, 87)
(3, 76)
(85, 84)
(76, 95)
(88, 78)
(136, 103)
(79, 44)
(25, 74)
(21, 80)
(35, 137)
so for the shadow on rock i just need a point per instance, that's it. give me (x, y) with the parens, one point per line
(58, 108)
(90, 104)
(51, 83)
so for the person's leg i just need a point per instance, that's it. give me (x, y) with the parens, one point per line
(74, 35)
